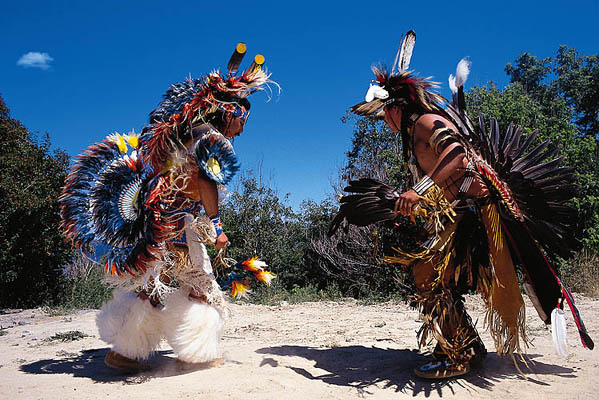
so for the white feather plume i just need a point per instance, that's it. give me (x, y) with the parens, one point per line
(131, 325)
(407, 47)
(452, 86)
(462, 72)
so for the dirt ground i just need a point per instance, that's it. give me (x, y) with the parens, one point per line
(326, 350)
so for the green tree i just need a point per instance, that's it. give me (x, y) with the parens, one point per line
(559, 97)
(575, 80)
(578, 83)
(32, 248)
(259, 223)
(354, 258)
(375, 152)
(530, 73)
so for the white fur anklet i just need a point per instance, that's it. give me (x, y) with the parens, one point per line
(130, 324)
(193, 329)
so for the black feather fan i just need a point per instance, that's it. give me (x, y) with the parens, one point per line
(371, 202)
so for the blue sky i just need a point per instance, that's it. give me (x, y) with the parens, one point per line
(110, 62)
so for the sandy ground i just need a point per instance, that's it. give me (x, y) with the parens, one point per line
(326, 350)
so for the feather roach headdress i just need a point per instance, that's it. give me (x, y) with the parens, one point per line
(400, 86)
(195, 101)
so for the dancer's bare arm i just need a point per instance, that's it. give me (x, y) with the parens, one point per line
(441, 164)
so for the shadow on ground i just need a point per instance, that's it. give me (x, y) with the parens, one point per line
(90, 364)
(362, 367)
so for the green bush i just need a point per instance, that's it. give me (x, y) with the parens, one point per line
(32, 247)
(83, 285)
(69, 336)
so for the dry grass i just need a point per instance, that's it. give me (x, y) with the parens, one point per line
(583, 273)
(69, 336)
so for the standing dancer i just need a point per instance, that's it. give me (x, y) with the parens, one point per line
(140, 197)
(488, 202)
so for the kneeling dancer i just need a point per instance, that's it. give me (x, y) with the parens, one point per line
(140, 197)
(487, 202)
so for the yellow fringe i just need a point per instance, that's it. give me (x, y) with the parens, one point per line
(439, 311)
(433, 207)
(495, 227)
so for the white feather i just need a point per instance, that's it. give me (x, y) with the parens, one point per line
(375, 91)
(396, 59)
(452, 86)
(559, 332)
(407, 47)
(462, 72)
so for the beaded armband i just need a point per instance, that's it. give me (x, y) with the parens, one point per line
(218, 225)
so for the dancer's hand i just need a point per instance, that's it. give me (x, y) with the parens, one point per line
(221, 241)
(406, 202)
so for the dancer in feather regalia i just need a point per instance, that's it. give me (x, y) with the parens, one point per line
(140, 197)
(489, 202)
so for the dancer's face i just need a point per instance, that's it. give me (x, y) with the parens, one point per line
(234, 126)
(393, 118)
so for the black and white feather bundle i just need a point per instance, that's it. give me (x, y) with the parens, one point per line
(406, 50)
(370, 202)
(540, 184)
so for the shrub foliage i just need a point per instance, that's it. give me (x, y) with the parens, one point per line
(32, 249)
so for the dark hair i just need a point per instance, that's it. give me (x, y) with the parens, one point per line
(218, 119)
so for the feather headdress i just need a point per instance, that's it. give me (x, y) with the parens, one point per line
(188, 103)
(402, 87)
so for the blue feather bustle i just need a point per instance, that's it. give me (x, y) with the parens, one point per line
(118, 224)
(103, 203)
(216, 158)
(75, 201)
(119, 214)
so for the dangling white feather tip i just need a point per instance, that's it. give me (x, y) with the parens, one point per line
(559, 332)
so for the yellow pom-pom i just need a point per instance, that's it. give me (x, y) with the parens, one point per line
(265, 276)
(213, 166)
